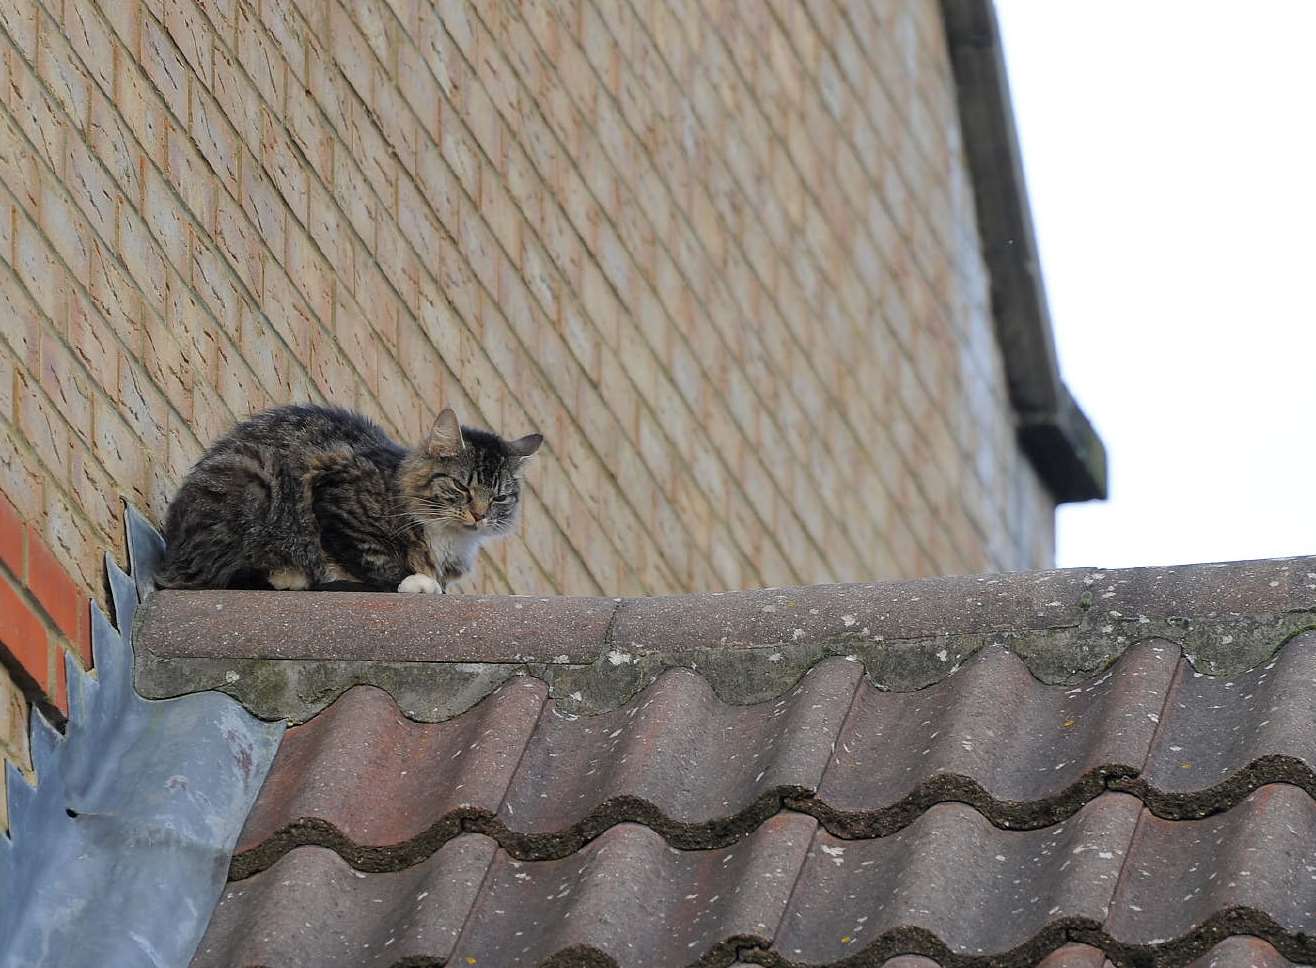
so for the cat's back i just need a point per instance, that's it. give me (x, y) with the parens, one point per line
(299, 431)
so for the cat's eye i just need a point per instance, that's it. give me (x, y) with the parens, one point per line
(504, 498)
(455, 483)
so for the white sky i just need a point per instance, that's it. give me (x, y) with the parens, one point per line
(1170, 148)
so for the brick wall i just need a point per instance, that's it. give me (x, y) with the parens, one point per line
(722, 254)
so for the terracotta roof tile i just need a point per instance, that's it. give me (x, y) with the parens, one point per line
(312, 910)
(1242, 951)
(993, 724)
(377, 778)
(1216, 726)
(1260, 857)
(631, 897)
(956, 877)
(680, 749)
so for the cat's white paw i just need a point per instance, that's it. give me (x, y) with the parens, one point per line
(289, 579)
(420, 585)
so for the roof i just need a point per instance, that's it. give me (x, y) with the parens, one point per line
(836, 819)
(1053, 430)
(1061, 767)
(964, 768)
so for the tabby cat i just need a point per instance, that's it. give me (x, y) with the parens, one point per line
(301, 496)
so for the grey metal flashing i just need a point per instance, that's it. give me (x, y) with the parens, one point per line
(1053, 430)
(118, 855)
(145, 550)
(439, 655)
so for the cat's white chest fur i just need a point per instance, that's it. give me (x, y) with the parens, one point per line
(452, 550)
(453, 547)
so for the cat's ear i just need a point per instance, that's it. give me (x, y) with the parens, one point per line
(523, 447)
(445, 437)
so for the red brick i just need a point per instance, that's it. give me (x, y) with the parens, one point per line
(60, 696)
(13, 540)
(51, 585)
(22, 635)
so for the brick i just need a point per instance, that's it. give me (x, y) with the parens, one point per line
(60, 695)
(66, 384)
(141, 404)
(6, 387)
(144, 112)
(238, 386)
(13, 729)
(286, 30)
(259, 57)
(264, 352)
(328, 366)
(289, 315)
(263, 207)
(353, 196)
(69, 536)
(357, 340)
(21, 477)
(189, 175)
(50, 584)
(118, 448)
(168, 366)
(168, 227)
(92, 191)
(314, 138)
(13, 540)
(112, 142)
(20, 22)
(331, 232)
(236, 97)
(187, 26)
(284, 167)
(42, 425)
(63, 74)
(238, 241)
(22, 635)
(39, 271)
(95, 494)
(310, 272)
(215, 136)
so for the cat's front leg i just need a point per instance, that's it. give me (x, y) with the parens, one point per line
(419, 584)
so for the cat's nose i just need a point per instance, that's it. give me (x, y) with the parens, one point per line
(478, 515)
